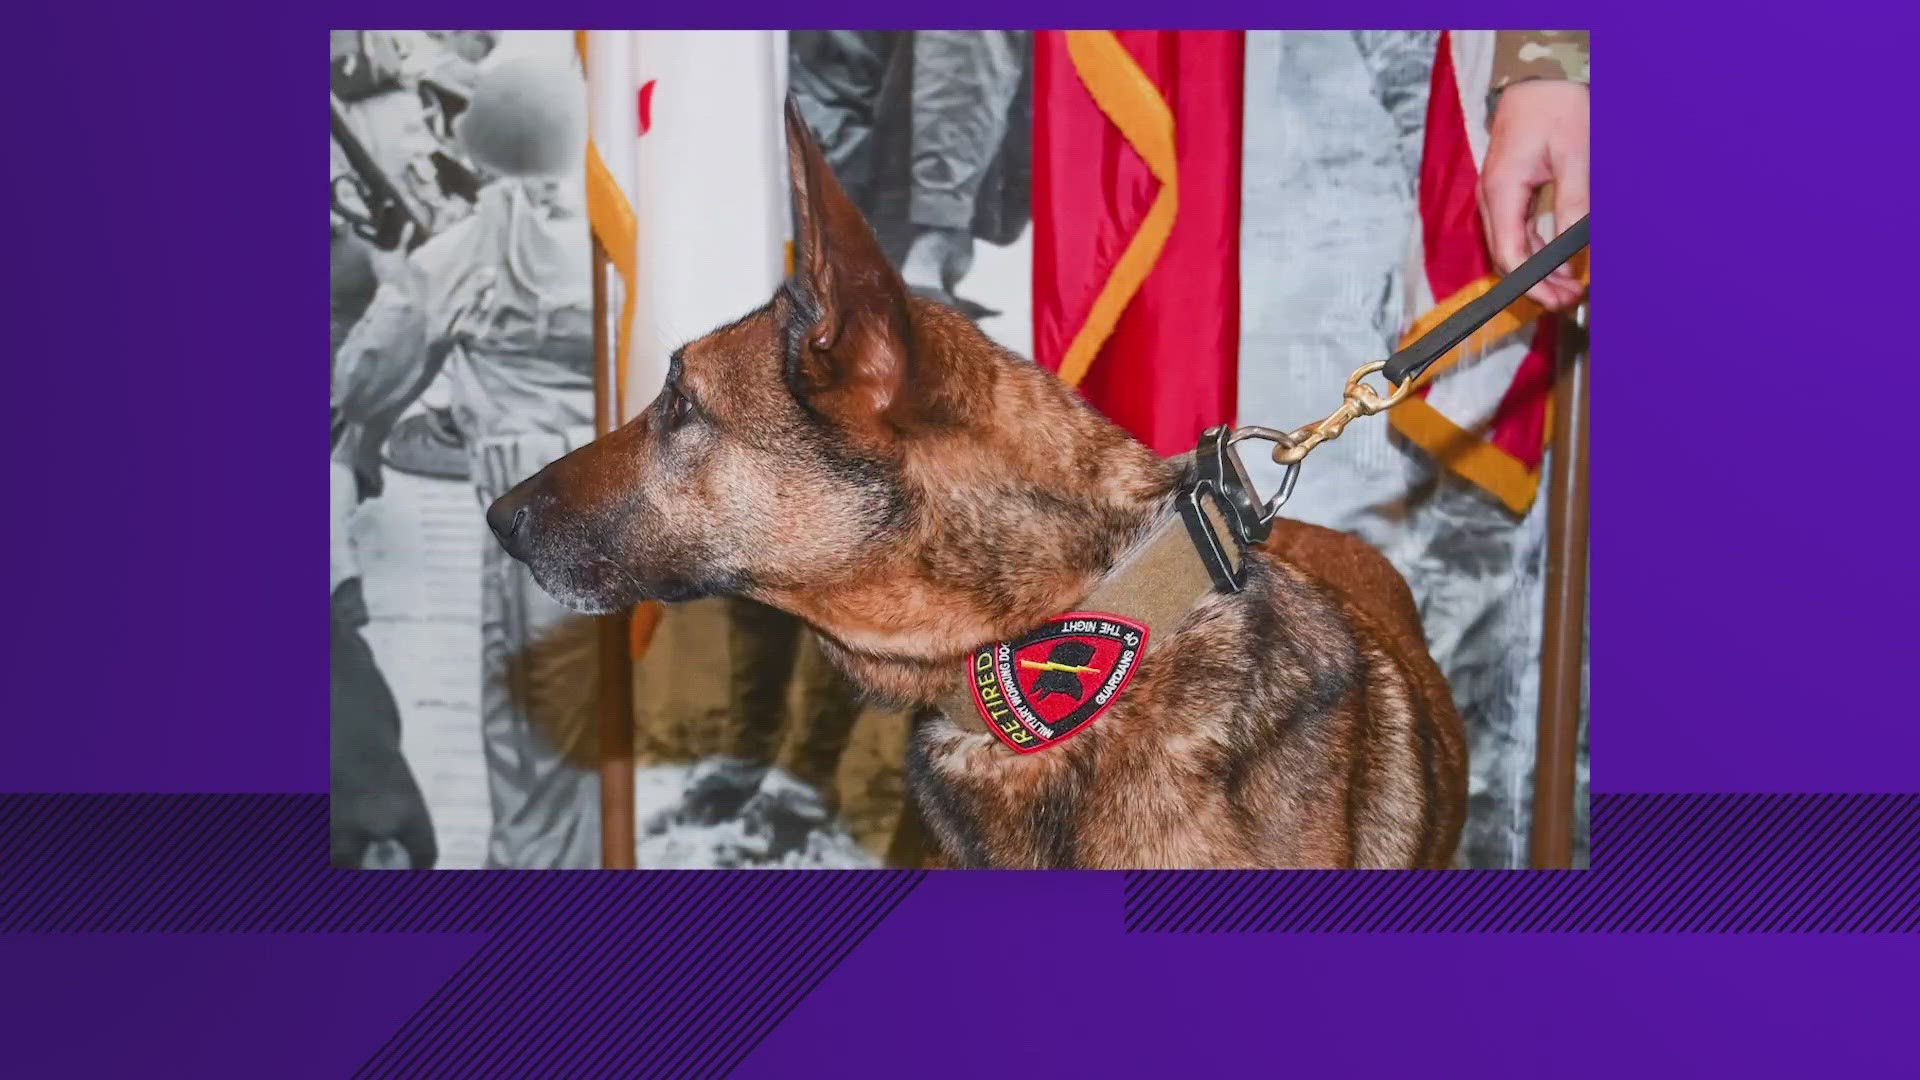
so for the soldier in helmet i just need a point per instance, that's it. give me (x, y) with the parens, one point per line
(502, 302)
(398, 88)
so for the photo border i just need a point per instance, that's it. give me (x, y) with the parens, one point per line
(1749, 623)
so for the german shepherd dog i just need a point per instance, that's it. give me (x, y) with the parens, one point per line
(871, 462)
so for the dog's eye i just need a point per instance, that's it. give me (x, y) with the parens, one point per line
(678, 408)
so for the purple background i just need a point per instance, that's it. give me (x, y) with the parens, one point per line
(1750, 611)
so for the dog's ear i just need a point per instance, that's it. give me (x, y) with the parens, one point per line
(855, 354)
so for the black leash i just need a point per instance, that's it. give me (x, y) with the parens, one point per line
(1409, 362)
(1221, 493)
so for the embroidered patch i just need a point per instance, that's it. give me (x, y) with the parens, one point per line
(1056, 681)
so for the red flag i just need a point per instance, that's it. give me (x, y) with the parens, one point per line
(1494, 440)
(1136, 196)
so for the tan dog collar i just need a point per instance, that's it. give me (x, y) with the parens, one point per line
(1053, 682)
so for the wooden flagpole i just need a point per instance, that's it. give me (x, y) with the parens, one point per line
(615, 698)
(1564, 636)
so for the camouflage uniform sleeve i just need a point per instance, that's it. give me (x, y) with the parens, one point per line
(1520, 55)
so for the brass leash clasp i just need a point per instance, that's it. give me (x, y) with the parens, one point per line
(1359, 399)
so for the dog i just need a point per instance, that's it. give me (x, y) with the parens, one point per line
(868, 460)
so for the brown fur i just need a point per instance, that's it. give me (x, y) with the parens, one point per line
(873, 463)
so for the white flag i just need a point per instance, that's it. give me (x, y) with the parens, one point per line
(689, 128)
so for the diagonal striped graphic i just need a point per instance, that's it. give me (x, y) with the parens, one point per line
(587, 973)
(686, 988)
(683, 973)
(1661, 863)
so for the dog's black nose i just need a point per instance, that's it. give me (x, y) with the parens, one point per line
(509, 518)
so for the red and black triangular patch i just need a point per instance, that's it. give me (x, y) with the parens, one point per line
(1056, 681)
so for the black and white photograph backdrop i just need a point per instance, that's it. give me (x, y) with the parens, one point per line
(462, 362)
(461, 313)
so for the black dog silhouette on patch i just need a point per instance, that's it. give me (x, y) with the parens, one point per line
(1070, 654)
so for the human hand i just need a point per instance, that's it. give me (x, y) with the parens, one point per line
(1540, 136)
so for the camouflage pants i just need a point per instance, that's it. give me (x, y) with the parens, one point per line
(1335, 128)
(539, 674)
(936, 100)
